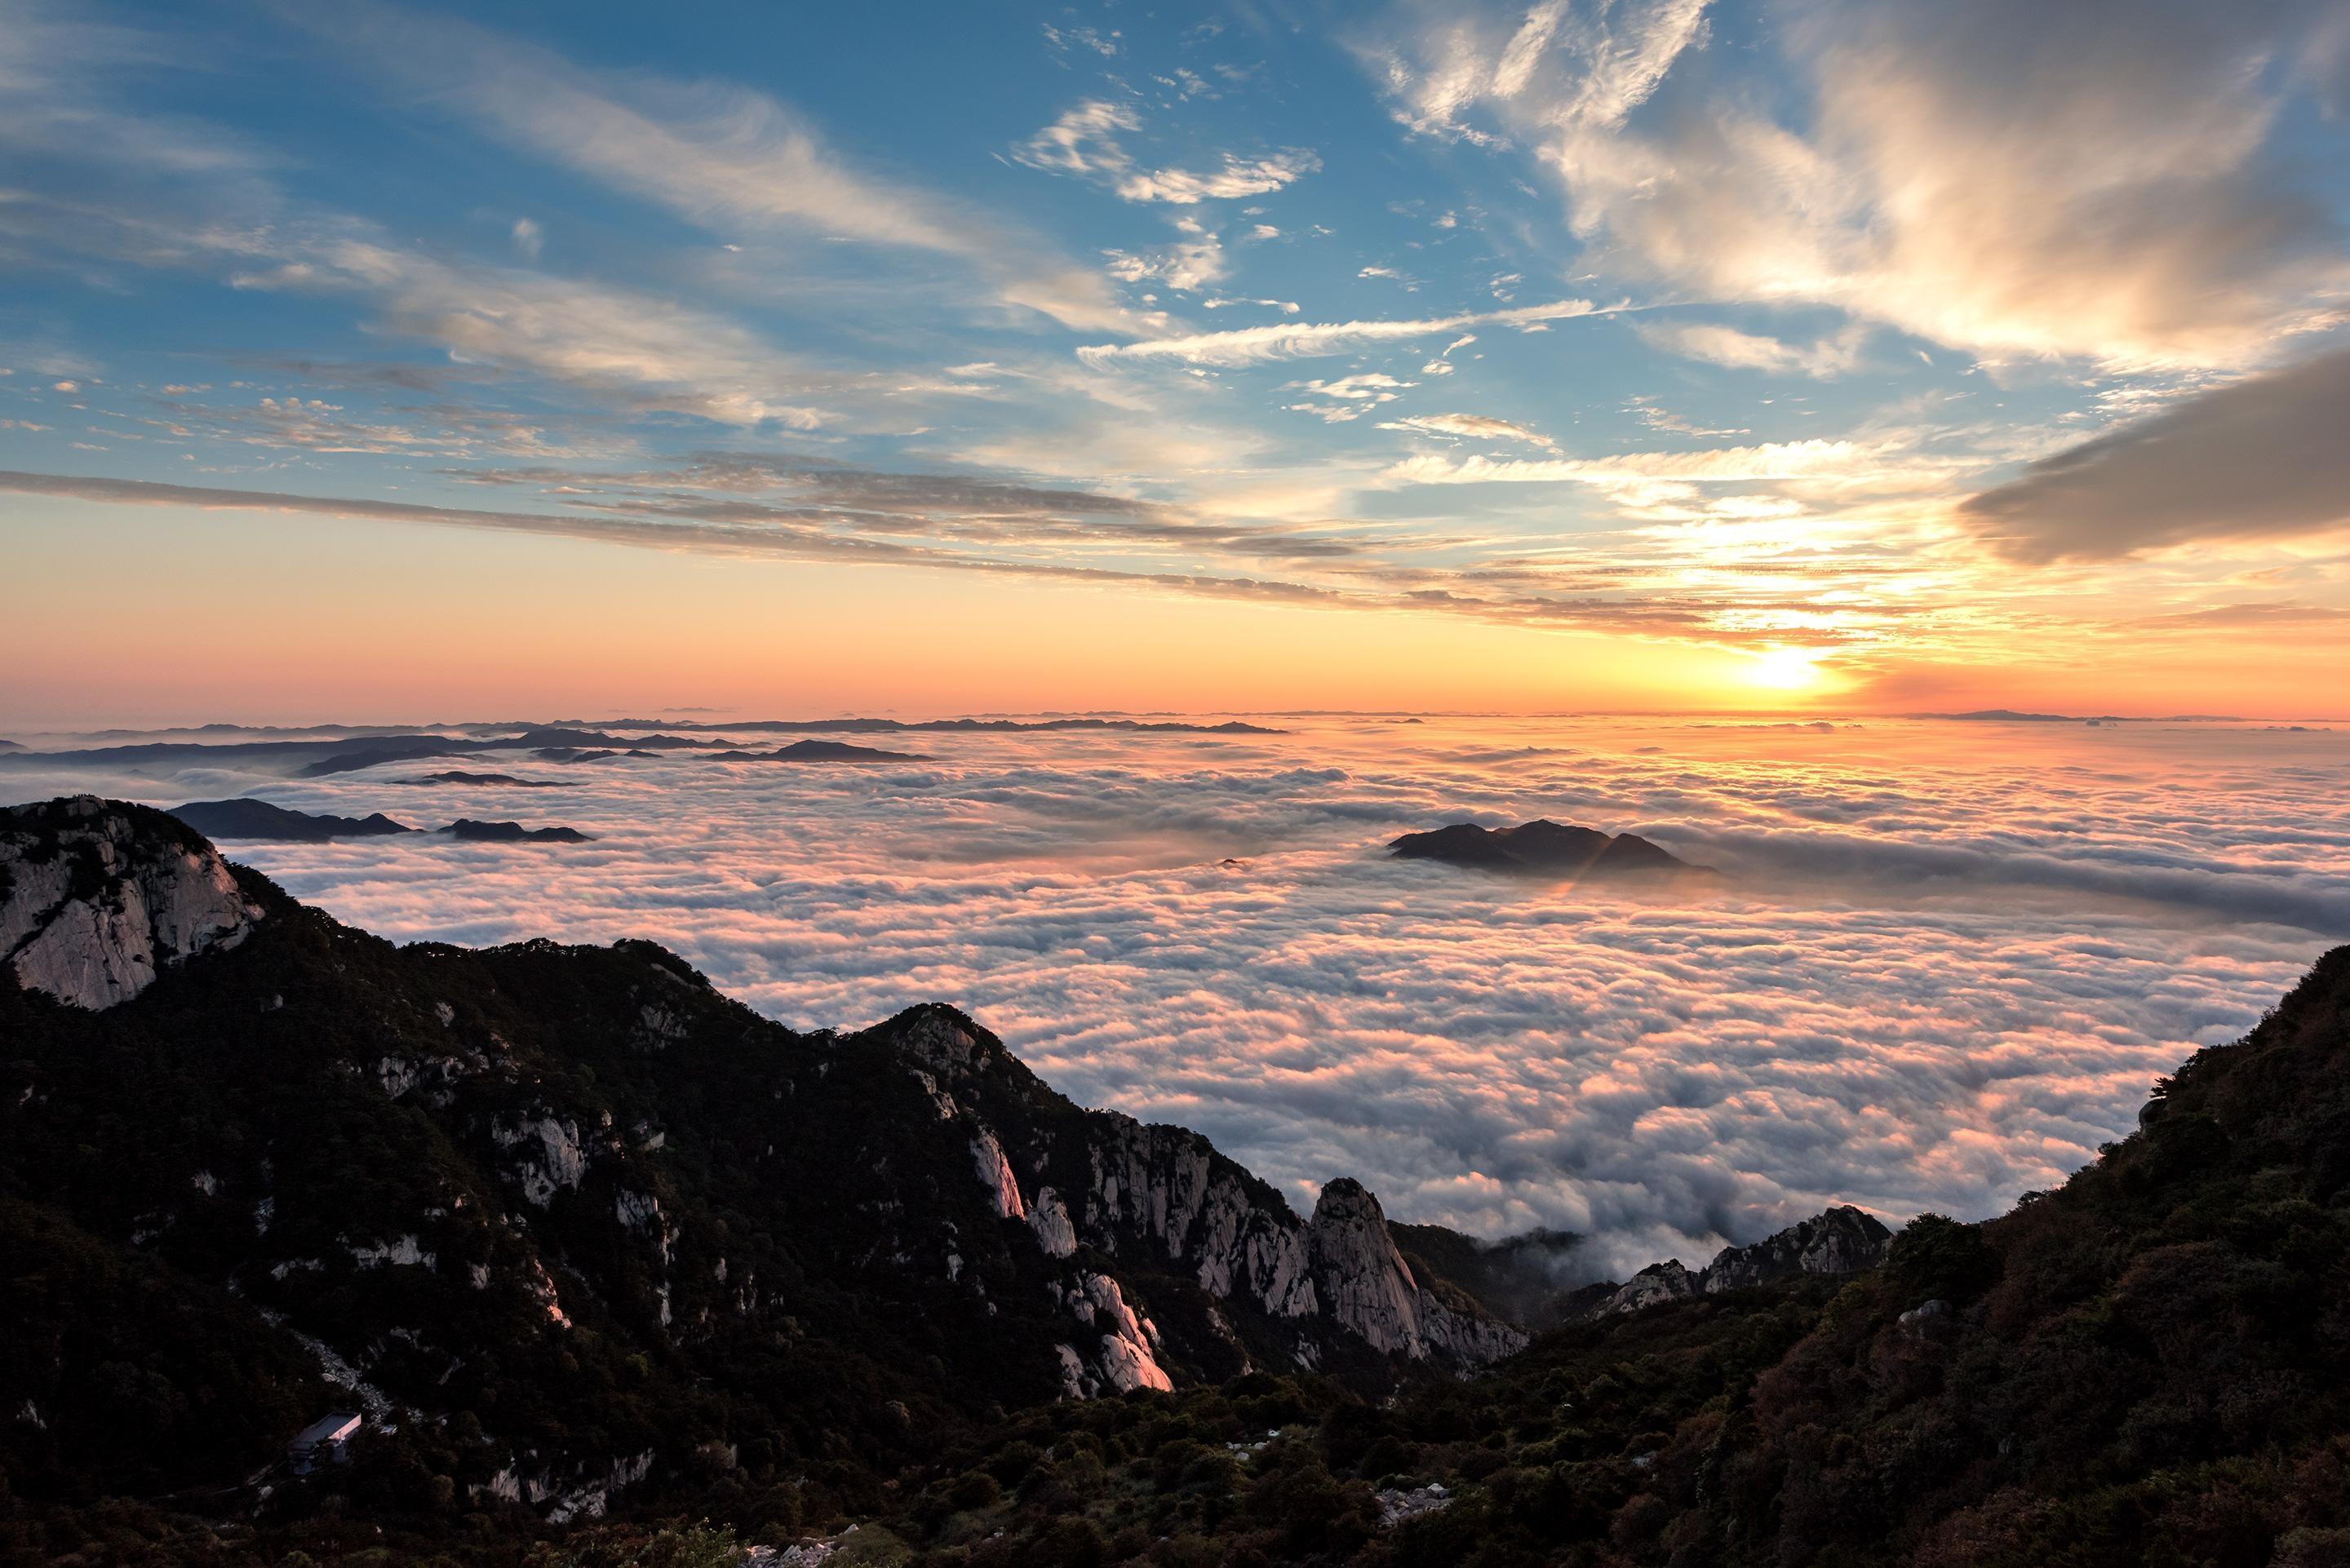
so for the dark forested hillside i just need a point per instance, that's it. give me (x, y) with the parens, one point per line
(620, 1271)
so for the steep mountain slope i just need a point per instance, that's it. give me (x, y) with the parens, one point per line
(2144, 1367)
(573, 1220)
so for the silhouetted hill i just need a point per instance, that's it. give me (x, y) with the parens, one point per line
(260, 819)
(512, 833)
(1541, 848)
(481, 781)
(821, 751)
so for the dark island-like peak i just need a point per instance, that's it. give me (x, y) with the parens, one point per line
(481, 781)
(822, 752)
(514, 833)
(259, 819)
(1542, 848)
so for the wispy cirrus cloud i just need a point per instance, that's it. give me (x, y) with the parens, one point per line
(1193, 263)
(725, 157)
(1586, 67)
(1737, 464)
(988, 530)
(1084, 142)
(1473, 426)
(619, 342)
(1716, 344)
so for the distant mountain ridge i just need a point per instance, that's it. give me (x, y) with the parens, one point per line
(259, 820)
(248, 818)
(821, 752)
(325, 751)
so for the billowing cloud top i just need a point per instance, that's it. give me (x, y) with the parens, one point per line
(1945, 962)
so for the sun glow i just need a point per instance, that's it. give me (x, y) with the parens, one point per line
(1785, 669)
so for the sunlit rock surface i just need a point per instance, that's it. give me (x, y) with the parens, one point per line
(97, 899)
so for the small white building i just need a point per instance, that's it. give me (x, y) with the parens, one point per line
(324, 1441)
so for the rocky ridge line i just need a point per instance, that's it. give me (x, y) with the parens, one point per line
(1842, 1241)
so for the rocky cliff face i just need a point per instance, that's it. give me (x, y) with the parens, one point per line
(96, 900)
(582, 1196)
(1371, 1292)
(1236, 1278)
(1842, 1241)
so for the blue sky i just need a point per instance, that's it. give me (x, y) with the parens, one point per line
(1818, 340)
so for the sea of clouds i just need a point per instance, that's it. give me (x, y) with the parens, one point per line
(1945, 963)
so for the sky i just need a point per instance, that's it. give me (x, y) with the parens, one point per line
(376, 361)
(1943, 962)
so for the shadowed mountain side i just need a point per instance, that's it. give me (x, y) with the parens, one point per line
(1544, 848)
(1516, 1278)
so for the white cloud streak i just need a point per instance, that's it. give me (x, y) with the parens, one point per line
(1307, 340)
(1720, 345)
(1482, 427)
(1721, 465)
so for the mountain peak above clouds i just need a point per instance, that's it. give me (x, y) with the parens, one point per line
(97, 898)
(249, 818)
(1542, 848)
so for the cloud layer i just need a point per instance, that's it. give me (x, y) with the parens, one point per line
(1948, 962)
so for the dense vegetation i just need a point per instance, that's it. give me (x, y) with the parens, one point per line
(2148, 1365)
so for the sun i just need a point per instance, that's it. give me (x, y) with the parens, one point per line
(1784, 669)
